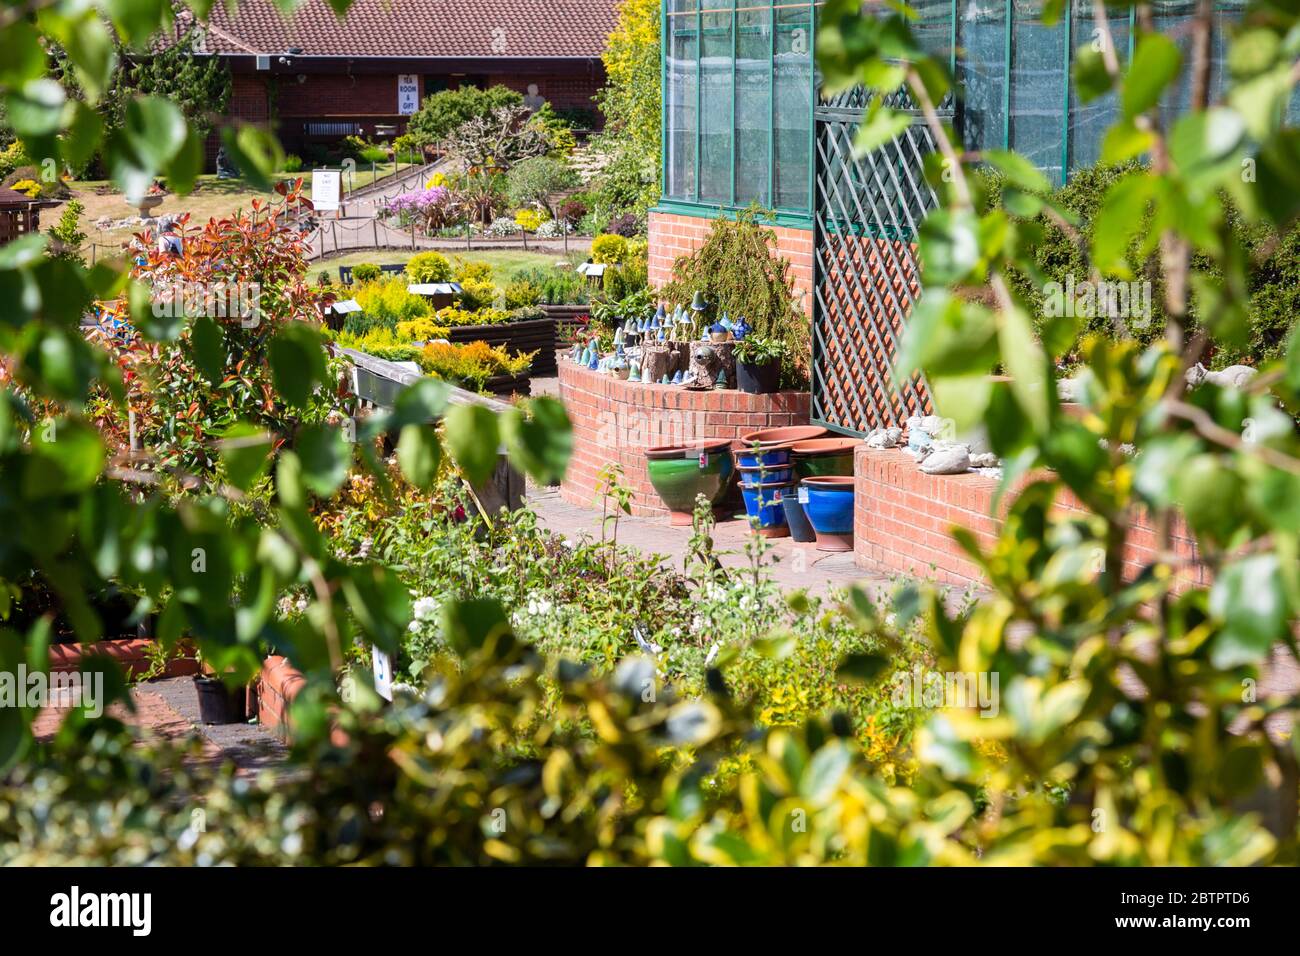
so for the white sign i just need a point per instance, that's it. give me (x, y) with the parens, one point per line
(408, 93)
(383, 667)
(325, 189)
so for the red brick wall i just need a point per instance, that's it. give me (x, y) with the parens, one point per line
(902, 519)
(324, 95)
(616, 421)
(248, 99)
(563, 92)
(672, 235)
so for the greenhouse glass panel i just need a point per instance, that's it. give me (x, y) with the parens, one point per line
(792, 107)
(679, 111)
(753, 104)
(1089, 121)
(717, 59)
(1038, 59)
(982, 72)
(1174, 19)
(933, 27)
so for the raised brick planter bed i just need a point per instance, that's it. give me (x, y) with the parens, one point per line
(616, 421)
(130, 654)
(902, 519)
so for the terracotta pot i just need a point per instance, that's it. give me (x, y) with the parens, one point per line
(783, 436)
(680, 472)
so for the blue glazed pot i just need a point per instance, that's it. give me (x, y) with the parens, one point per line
(830, 511)
(762, 457)
(796, 518)
(764, 474)
(763, 505)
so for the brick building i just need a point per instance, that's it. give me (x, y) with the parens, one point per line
(317, 77)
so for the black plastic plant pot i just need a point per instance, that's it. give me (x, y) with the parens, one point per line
(219, 704)
(758, 379)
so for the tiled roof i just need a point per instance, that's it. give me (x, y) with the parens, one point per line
(417, 28)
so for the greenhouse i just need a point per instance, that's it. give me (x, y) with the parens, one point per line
(739, 90)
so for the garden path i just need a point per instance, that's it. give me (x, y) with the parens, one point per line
(169, 708)
(796, 566)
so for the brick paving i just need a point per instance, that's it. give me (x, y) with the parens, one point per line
(169, 709)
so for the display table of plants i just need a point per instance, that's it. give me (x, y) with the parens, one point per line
(392, 313)
(469, 342)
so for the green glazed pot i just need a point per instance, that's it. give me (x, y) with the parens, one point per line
(680, 472)
(824, 456)
(824, 465)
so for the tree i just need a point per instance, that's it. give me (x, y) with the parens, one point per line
(631, 102)
(499, 140)
(538, 180)
(199, 86)
(442, 113)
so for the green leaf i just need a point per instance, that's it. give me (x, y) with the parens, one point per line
(1026, 364)
(84, 133)
(67, 457)
(209, 345)
(1156, 62)
(1249, 598)
(1018, 170)
(1205, 145)
(22, 56)
(881, 125)
(152, 132)
(472, 439)
(539, 438)
(1122, 215)
(325, 458)
(245, 451)
(255, 152)
(36, 108)
(1211, 496)
(419, 454)
(469, 625)
(864, 668)
(947, 335)
(297, 362)
(824, 772)
(90, 48)
(950, 247)
(1091, 79)
(1124, 141)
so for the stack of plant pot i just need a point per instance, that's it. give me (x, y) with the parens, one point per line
(765, 464)
(821, 508)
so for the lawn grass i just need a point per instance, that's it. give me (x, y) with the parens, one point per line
(211, 198)
(504, 262)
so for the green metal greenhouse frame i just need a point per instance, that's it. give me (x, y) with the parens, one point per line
(947, 27)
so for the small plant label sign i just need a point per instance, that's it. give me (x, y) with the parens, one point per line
(383, 668)
(803, 495)
(704, 459)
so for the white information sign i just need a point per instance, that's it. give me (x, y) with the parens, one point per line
(325, 189)
(408, 93)
(383, 667)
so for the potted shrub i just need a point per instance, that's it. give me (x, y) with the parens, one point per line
(758, 364)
